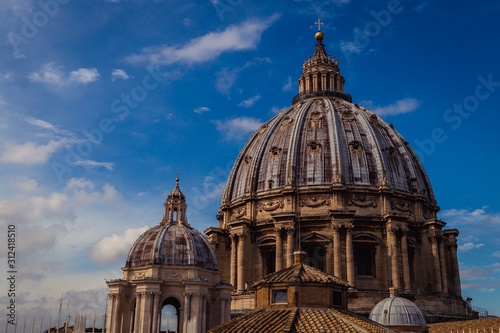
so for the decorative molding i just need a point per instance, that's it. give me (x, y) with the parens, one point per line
(315, 201)
(271, 205)
(247, 159)
(173, 274)
(401, 206)
(237, 213)
(286, 121)
(139, 276)
(362, 201)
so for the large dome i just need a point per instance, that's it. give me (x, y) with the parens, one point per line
(331, 178)
(173, 242)
(322, 142)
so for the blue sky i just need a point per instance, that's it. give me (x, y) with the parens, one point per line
(102, 102)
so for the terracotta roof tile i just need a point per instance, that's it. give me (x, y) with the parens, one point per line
(300, 273)
(299, 320)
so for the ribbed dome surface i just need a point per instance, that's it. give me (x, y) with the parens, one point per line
(397, 311)
(172, 244)
(324, 141)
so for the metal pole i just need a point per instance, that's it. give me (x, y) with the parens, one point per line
(24, 325)
(41, 323)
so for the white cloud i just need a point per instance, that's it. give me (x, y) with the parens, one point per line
(469, 246)
(248, 103)
(84, 75)
(237, 128)
(47, 126)
(201, 109)
(188, 22)
(94, 164)
(116, 246)
(119, 74)
(288, 85)
(350, 47)
(49, 73)
(476, 217)
(402, 106)
(83, 191)
(241, 37)
(225, 79)
(52, 74)
(55, 206)
(26, 184)
(30, 152)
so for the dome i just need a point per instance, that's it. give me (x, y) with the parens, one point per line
(397, 311)
(325, 141)
(173, 242)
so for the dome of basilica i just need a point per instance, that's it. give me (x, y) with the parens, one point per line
(173, 242)
(331, 178)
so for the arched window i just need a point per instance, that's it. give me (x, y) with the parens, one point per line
(170, 316)
(175, 215)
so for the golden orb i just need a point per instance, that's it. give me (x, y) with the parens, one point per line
(319, 36)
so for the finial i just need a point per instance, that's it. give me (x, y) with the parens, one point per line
(177, 178)
(319, 35)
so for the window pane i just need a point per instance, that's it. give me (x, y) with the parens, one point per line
(280, 296)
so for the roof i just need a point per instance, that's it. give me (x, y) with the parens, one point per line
(172, 244)
(300, 273)
(487, 324)
(176, 192)
(300, 320)
(397, 311)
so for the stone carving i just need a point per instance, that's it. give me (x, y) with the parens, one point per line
(271, 205)
(401, 206)
(286, 121)
(247, 159)
(172, 275)
(275, 150)
(426, 213)
(362, 201)
(298, 105)
(314, 201)
(138, 276)
(316, 117)
(237, 213)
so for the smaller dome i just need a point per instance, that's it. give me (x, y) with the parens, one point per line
(172, 244)
(397, 311)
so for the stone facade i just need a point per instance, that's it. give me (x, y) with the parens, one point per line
(333, 179)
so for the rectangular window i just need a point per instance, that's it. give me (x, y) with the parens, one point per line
(337, 298)
(280, 296)
(364, 261)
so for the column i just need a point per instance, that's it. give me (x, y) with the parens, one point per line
(435, 260)
(336, 251)
(393, 253)
(406, 265)
(187, 311)
(137, 319)
(315, 82)
(289, 247)
(241, 262)
(146, 312)
(156, 313)
(350, 257)
(111, 312)
(198, 303)
(203, 315)
(332, 84)
(323, 82)
(444, 276)
(456, 272)
(117, 317)
(234, 252)
(222, 315)
(279, 250)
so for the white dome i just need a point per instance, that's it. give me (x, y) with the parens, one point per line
(397, 311)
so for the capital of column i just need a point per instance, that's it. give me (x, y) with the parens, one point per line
(336, 227)
(277, 231)
(405, 230)
(112, 296)
(349, 226)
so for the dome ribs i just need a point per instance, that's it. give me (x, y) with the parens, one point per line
(292, 171)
